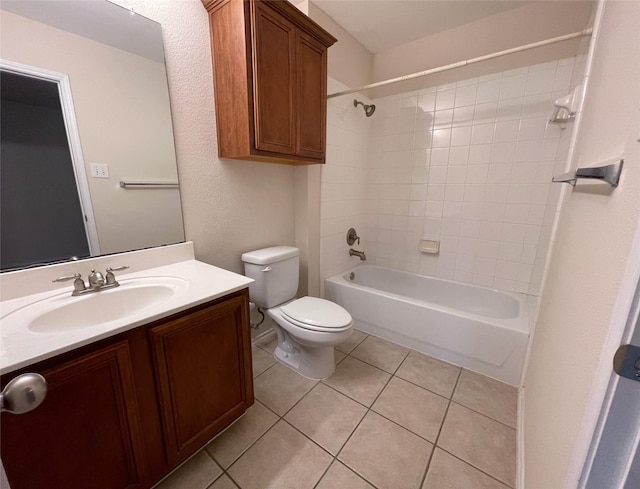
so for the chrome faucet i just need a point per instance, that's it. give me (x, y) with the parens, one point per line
(357, 253)
(97, 281)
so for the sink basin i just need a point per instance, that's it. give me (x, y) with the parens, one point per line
(63, 313)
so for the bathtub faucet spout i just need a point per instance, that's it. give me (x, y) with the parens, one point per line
(359, 254)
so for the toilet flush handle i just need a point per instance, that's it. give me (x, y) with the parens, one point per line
(266, 269)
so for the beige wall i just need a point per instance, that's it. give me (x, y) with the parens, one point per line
(122, 110)
(349, 61)
(592, 245)
(530, 23)
(229, 206)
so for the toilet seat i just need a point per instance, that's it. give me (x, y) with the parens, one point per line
(317, 314)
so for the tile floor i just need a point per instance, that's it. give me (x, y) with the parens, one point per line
(388, 418)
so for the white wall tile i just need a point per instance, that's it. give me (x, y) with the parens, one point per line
(488, 91)
(513, 86)
(445, 99)
(468, 163)
(482, 134)
(466, 95)
(461, 136)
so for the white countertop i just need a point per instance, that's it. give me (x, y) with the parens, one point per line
(21, 347)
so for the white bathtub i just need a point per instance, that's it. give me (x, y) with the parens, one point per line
(481, 329)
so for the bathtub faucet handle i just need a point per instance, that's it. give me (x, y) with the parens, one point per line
(352, 237)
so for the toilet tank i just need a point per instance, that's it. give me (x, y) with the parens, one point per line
(275, 271)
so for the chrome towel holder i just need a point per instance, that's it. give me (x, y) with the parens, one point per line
(607, 173)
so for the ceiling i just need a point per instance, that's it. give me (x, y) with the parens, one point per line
(383, 24)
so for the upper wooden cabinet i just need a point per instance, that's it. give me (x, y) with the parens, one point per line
(270, 79)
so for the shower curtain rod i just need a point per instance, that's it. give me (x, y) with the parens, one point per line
(466, 62)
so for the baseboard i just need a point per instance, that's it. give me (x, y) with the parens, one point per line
(267, 335)
(520, 441)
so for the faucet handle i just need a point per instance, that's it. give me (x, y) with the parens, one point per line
(352, 237)
(111, 278)
(117, 269)
(65, 278)
(78, 283)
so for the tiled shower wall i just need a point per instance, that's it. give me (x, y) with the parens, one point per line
(468, 164)
(344, 181)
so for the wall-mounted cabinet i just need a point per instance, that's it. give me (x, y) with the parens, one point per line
(270, 80)
(125, 411)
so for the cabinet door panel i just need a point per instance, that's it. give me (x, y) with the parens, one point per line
(273, 81)
(86, 433)
(201, 367)
(312, 96)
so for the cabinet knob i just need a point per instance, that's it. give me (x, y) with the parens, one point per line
(23, 393)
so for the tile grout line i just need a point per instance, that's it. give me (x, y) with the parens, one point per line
(334, 458)
(482, 414)
(477, 468)
(360, 422)
(435, 443)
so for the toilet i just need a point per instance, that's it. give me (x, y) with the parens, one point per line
(307, 328)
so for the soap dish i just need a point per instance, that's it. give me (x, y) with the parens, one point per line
(429, 246)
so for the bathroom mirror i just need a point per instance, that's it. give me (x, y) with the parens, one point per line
(107, 65)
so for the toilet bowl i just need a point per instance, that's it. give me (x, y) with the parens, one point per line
(307, 328)
(308, 351)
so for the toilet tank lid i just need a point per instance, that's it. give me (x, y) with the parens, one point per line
(266, 256)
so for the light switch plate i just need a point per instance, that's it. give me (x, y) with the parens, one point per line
(99, 170)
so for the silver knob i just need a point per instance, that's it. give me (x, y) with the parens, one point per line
(23, 394)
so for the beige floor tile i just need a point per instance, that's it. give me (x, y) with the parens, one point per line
(354, 340)
(448, 472)
(223, 483)
(487, 396)
(435, 375)
(269, 344)
(340, 477)
(279, 388)
(261, 360)
(281, 459)
(380, 353)
(230, 444)
(327, 417)
(339, 356)
(484, 443)
(358, 380)
(413, 407)
(196, 473)
(386, 455)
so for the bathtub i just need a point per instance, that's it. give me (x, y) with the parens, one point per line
(478, 328)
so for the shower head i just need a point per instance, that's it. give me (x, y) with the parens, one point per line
(368, 109)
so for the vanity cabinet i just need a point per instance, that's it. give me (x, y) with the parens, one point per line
(270, 80)
(125, 411)
(199, 365)
(87, 431)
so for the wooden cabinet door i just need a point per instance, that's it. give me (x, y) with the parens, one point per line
(273, 43)
(311, 65)
(203, 368)
(86, 433)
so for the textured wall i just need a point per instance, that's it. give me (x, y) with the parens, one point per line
(590, 252)
(229, 207)
(488, 35)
